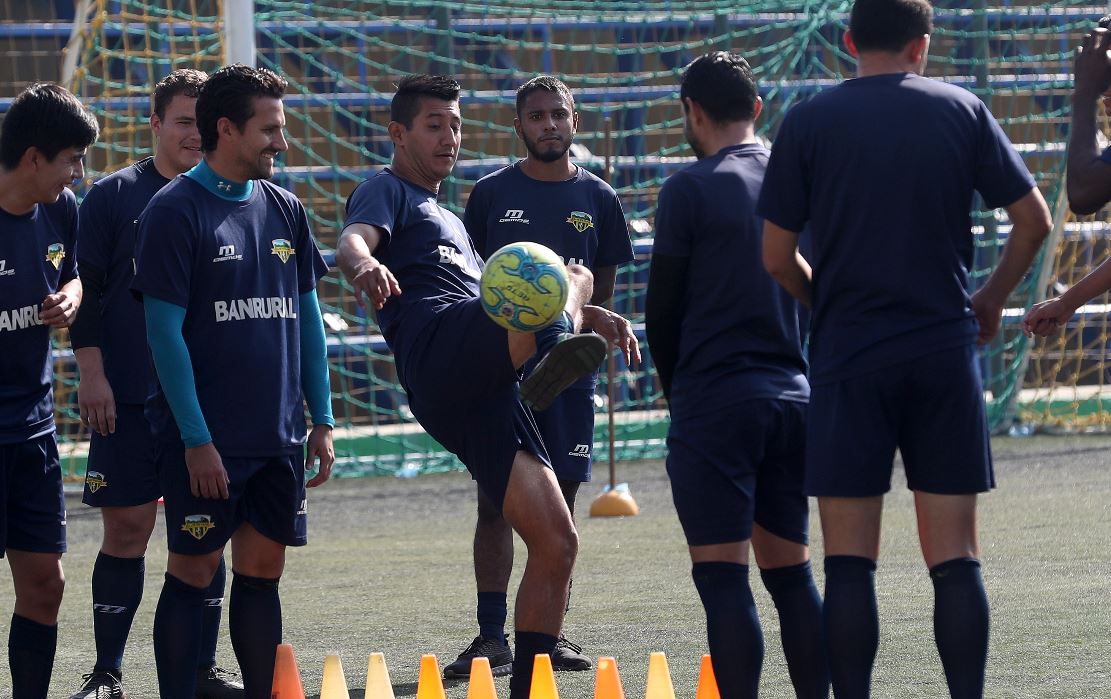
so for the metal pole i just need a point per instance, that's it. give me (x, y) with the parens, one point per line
(611, 357)
(239, 32)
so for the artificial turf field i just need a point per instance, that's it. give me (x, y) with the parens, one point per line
(388, 568)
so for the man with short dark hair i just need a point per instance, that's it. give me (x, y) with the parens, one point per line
(227, 269)
(544, 198)
(882, 169)
(725, 342)
(459, 368)
(43, 140)
(109, 341)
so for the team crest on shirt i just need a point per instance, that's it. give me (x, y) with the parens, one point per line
(94, 481)
(580, 220)
(55, 254)
(282, 248)
(197, 525)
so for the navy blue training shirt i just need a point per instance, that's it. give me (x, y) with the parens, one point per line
(426, 248)
(883, 170)
(740, 331)
(36, 259)
(109, 219)
(238, 268)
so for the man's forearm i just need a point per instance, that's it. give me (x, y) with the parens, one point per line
(352, 252)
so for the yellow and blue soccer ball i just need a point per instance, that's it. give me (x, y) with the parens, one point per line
(524, 286)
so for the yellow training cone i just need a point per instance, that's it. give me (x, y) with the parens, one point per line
(607, 681)
(287, 678)
(659, 679)
(378, 685)
(429, 684)
(543, 679)
(481, 684)
(334, 685)
(707, 683)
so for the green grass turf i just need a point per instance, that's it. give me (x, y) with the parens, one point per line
(388, 568)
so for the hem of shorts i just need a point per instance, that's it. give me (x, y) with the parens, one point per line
(795, 537)
(36, 549)
(28, 433)
(954, 491)
(124, 503)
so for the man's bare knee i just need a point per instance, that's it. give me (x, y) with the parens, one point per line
(127, 530)
(39, 585)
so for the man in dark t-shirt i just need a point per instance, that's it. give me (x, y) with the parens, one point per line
(882, 169)
(415, 264)
(42, 150)
(725, 342)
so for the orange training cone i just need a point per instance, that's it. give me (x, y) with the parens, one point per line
(607, 681)
(481, 684)
(707, 683)
(429, 684)
(378, 685)
(287, 678)
(543, 679)
(659, 678)
(334, 684)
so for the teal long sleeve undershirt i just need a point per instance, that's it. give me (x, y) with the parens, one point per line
(175, 368)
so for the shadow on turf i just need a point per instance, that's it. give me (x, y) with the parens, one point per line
(404, 689)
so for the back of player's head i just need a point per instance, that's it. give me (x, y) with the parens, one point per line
(230, 93)
(406, 101)
(722, 84)
(183, 81)
(46, 117)
(888, 25)
(545, 83)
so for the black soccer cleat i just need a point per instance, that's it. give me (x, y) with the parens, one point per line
(571, 358)
(217, 683)
(100, 684)
(568, 657)
(501, 658)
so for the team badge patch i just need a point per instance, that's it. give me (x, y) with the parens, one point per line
(580, 220)
(55, 254)
(282, 248)
(197, 525)
(94, 481)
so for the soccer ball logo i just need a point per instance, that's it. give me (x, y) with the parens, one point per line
(524, 287)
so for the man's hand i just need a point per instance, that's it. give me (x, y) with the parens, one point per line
(59, 310)
(207, 476)
(1047, 317)
(97, 403)
(614, 329)
(1092, 70)
(374, 281)
(989, 312)
(320, 448)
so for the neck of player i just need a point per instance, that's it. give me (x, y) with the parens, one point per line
(555, 171)
(225, 167)
(736, 133)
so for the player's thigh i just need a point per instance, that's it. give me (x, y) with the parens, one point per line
(535, 508)
(851, 435)
(33, 503)
(196, 526)
(944, 432)
(121, 470)
(782, 509)
(567, 428)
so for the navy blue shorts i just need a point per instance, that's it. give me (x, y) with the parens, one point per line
(32, 504)
(462, 388)
(266, 492)
(739, 465)
(121, 471)
(931, 409)
(567, 428)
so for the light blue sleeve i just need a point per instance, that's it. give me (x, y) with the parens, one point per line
(175, 368)
(314, 361)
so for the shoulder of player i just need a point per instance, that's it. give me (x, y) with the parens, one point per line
(492, 178)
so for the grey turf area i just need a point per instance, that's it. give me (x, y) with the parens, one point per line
(388, 568)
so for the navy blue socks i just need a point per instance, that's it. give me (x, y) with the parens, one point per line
(210, 617)
(177, 638)
(961, 625)
(492, 610)
(732, 626)
(852, 624)
(255, 618)
(800, 625)
(528, 644)
(31, 647)
(117, 592)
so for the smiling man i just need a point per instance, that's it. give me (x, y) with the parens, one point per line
(227, 414)
(42, 150)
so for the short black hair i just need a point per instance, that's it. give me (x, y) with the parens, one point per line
(183, 81)
(47, 117)
(405, 104)
(722, 84)
(230, 93)
(547, 83)
(888, 25)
